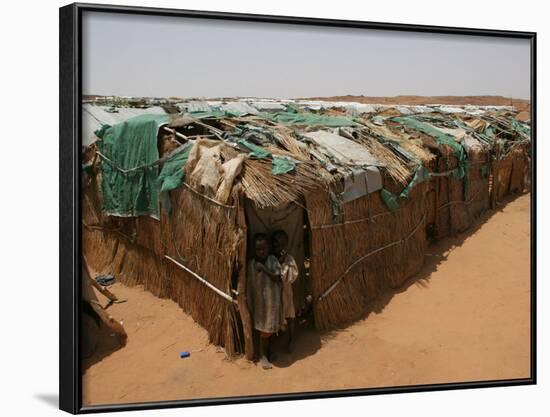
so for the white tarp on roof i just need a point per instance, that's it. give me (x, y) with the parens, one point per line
(499, 108)
(93, 117)
(460, 135)
(356, 109)
(344, 150)
(239, 108)
(195, 106)
(406, 110)
(422, 109)
(364, 177)
(450, 109)
(350, 106)
(268, 106)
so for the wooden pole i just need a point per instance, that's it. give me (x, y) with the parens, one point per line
(242, 301)
(113, 324)
(201, 279)
(436, 208)
(496, 177)
(178, 134)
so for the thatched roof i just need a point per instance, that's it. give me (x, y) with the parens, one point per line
(285, 154)
(203, 163)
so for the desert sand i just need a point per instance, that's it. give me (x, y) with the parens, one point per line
(464, 317)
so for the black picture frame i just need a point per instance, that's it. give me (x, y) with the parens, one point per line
(70, 63)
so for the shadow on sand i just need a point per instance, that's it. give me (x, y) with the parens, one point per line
(97, 342)
(437, 253)
(308, 340)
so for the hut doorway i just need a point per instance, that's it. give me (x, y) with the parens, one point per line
(292, 219)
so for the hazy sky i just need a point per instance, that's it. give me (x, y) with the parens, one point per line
(164, 56)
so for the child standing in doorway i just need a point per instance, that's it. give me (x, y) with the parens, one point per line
(289, 274)
(264, 294)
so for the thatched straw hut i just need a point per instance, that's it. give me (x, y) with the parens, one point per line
(171, 203)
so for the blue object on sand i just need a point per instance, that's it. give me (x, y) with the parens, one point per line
(184, 354)
(105, 280)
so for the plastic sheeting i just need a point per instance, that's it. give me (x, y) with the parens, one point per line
(365, 178)
(129, 164)
(197, 106)
(268, 106)
(294, 118)
(172, 173)
(361, 182)
(282, 165)
(344, 150)
(238, 109)
(449, 109)
(93, 117)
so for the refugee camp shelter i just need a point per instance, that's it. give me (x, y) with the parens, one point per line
(171, 202)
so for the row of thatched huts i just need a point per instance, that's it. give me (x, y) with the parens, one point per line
(171, 202)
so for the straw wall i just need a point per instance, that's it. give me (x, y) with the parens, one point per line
(199, 234)
(520, 168)
(451, 214)
(478, 179)
(371, 250)
(205, 237)
(452, 208)
(510, 171)
(502, 175)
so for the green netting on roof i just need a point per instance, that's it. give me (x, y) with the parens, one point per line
(522, 128)
(279, 165)
(282, 165)
(444, 139)
(390, 199)
(308, 119)
(172, 174)
(489, 131)
(441, 137)
(291, 108)
(213, 113)
(129, 164)
(256, 151)
(420, 175)
(101, 131)
(291, 116)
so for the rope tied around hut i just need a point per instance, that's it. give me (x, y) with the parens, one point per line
(165, 207)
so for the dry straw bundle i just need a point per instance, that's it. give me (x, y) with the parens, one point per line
(268, 190)
(373, 249)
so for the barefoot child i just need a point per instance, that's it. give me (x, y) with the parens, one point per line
(264, 294)
(289, 274)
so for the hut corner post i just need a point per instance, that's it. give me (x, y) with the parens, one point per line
(241, 285)
(494, 173)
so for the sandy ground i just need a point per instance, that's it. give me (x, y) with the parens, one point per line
(464, 317)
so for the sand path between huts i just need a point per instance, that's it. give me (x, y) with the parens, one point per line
(464, 317)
